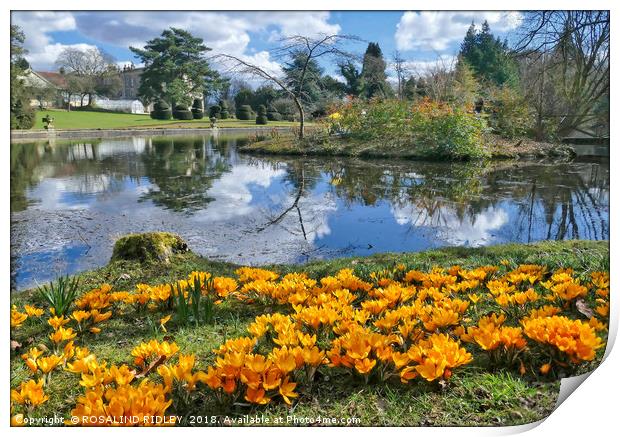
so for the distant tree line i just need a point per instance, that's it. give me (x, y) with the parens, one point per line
(553, 78)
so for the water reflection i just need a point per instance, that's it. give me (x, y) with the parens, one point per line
(71, 199)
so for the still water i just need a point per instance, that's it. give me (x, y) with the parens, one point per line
(71, 199)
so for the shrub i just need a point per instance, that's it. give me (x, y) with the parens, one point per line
(244, 112)
(214, 111)
(286, 107)
(273, 114)
(197, 109)
(509, 114)
(161, 111)
(182, 113)
(22, 117)
(224, 112)
(430, 128)
(262, 115)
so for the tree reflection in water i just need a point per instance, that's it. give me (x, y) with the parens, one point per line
(553, 201)
(81, 194)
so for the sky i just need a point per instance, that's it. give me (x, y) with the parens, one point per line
(422, 38)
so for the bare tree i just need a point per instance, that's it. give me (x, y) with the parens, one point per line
(93, 71)
(297, 46)
(438, 78)
(400, 67)
(570, 50)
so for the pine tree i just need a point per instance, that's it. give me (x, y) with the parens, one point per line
(488, 57)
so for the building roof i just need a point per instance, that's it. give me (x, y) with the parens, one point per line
(56, 79)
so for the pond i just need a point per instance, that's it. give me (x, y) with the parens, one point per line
(71, 199)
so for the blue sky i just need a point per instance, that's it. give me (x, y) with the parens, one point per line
(421, 37)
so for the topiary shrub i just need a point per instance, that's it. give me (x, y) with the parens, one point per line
(262, 115)
(244, 112)
(150, 246)
(214, 111)
(161, 111)
(224, 112)
(182, 113)
(273, 114)
(197, 109)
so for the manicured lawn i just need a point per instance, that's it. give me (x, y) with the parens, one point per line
(106, 120)
(477, 395)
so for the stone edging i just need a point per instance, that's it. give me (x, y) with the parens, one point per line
(109, 133)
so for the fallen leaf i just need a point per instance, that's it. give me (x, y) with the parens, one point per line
(583, 308)
(15, 345)
(150, 368)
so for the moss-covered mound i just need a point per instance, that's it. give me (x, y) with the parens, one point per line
(150, 246)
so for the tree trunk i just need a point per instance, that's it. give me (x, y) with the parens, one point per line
(301, 117)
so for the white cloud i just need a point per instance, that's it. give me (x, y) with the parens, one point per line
(42, 50)
(36, 25)
(223, 32)
(436, 30)
(450, 226)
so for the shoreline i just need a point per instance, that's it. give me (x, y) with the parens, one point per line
(184, 264)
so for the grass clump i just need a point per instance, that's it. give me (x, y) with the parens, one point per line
(60, 294)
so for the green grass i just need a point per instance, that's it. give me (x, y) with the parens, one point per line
(108, 120)
(474, 396)
(318, 144)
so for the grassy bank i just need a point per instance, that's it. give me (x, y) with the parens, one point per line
(475, 395)
(108, 120)
(495, 148)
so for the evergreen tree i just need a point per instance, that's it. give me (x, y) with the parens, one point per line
(244, 97)
(489, 57)
(352, 75)
(311, 89)
(374, 79)
(22, 114)
(332, 87)
(465, 86)
(176, 55)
